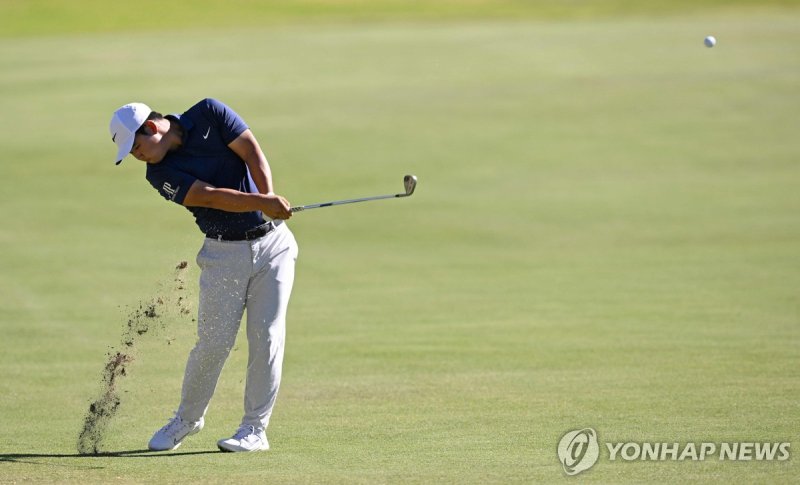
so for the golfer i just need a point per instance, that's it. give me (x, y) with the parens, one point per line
(208, 160)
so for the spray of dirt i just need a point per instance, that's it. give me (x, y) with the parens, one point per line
(147, 318)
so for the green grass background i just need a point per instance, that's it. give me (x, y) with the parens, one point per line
(605, 234)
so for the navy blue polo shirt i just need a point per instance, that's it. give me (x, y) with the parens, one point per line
(208, 128)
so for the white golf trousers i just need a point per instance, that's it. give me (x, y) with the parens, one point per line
(257, 276)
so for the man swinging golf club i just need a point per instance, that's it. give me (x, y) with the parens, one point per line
(207, 160)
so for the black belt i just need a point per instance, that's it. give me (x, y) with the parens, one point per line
(249, 235)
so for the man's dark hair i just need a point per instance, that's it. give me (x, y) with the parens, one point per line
(154, 115)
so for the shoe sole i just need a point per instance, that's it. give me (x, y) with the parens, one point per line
(166, 449)
(225, 450)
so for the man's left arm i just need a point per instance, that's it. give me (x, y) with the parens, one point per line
(247, 148)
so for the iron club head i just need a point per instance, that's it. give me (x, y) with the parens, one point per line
(410, 183)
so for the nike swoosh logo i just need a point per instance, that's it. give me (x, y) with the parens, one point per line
(114, 138)
(205, 137)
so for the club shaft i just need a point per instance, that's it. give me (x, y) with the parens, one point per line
(341, 202)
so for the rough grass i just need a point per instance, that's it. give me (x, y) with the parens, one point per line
(53, 17)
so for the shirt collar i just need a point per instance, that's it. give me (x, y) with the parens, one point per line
(186, 123)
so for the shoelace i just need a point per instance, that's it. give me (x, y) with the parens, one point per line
(244, 431)
(173, 424)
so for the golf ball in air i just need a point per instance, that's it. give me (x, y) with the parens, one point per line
(710, 41)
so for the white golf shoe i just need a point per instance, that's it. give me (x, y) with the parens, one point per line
(172, 434)
(246, 438)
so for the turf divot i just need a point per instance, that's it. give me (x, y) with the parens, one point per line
(147, 318)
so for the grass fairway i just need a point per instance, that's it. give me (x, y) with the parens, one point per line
(605, 234)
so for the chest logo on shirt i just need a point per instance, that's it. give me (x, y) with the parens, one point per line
(205, 137)
(169, 190)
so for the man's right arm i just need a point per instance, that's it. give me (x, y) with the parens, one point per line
(201, 194)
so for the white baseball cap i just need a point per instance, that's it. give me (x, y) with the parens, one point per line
(124, 123)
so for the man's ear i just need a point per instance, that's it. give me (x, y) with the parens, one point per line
(151, 127)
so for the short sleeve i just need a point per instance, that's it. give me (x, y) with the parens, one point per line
(227, 121)
(172, 184)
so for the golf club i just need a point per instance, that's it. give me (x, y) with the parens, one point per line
(409, 182)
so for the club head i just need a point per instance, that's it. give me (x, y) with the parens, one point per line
(410, 183)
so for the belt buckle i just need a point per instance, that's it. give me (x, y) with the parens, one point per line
(259, 231)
